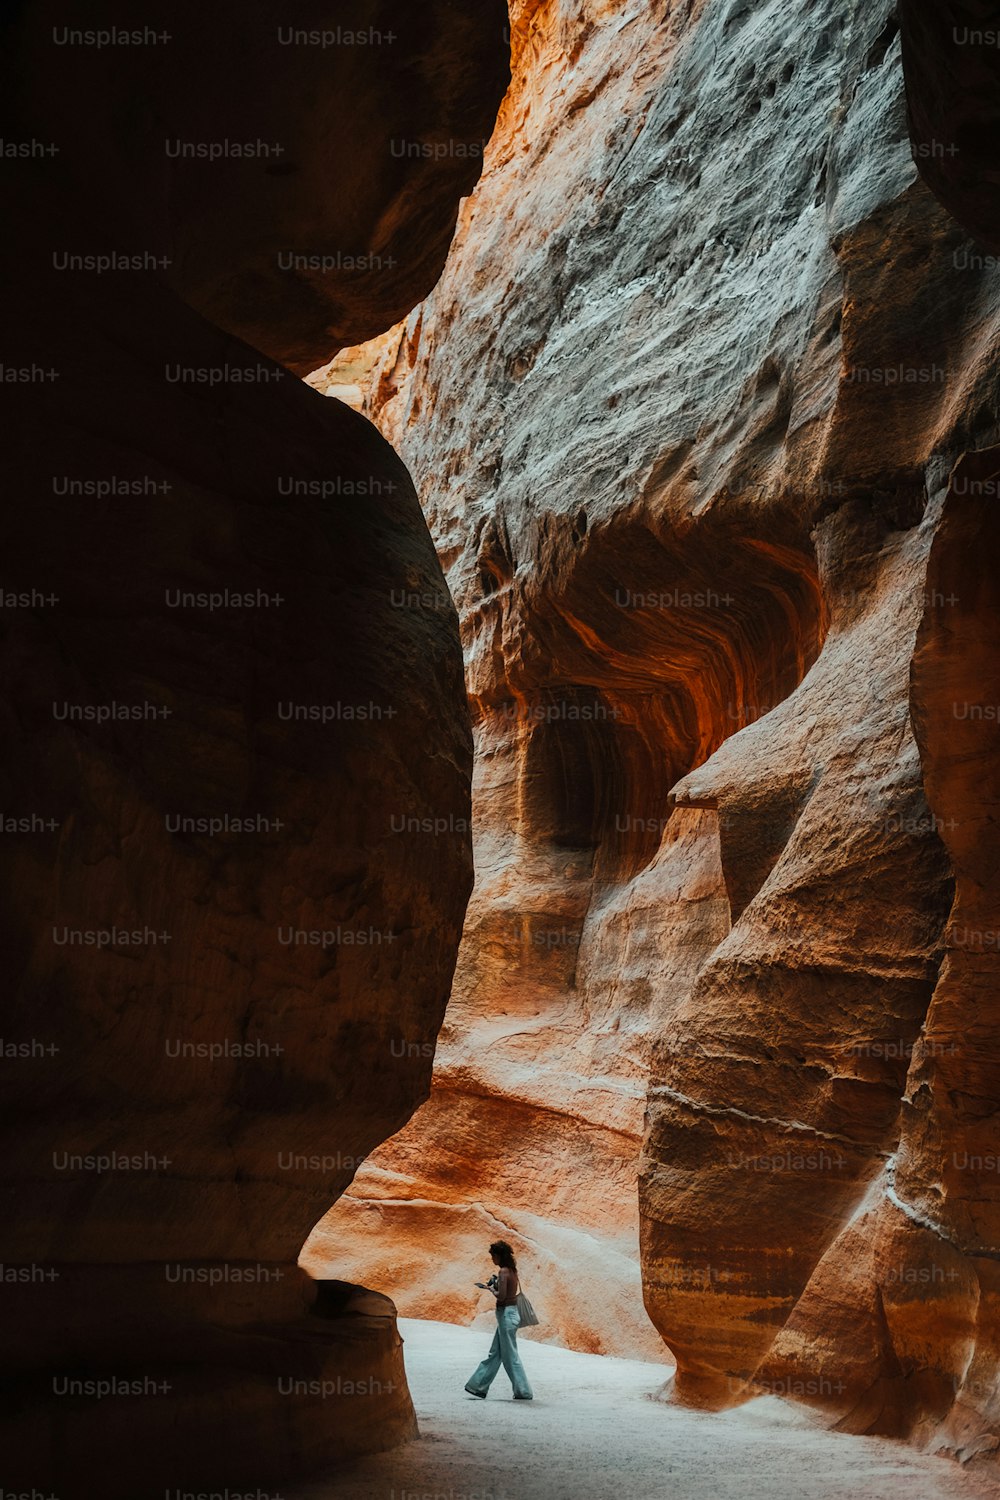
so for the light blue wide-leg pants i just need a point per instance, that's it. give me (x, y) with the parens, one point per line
(503, 1351)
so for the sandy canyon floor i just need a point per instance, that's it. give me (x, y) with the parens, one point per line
(592, 1432)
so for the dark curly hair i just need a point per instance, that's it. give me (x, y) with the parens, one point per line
(504, 1254)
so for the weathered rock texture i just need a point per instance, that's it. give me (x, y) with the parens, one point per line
(199, 1021)
(683, 410)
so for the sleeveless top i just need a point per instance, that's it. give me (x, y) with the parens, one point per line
(506, 1287)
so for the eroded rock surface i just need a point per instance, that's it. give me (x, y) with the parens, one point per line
(682, 411)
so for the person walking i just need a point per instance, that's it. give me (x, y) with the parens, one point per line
(503, 1350)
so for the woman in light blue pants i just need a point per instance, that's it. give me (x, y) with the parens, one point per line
(503, 1350)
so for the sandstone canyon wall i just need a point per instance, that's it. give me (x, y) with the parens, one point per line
(214, 923)
(687, 412)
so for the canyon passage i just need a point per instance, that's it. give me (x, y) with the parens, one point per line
(499, 639)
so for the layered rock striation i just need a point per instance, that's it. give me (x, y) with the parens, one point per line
(687, 412)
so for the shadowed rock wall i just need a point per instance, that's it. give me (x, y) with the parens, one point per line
(951, 59)
(220, 729)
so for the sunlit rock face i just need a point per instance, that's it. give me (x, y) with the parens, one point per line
(682, 412)
(899, 1318)
(949, 1163)
(223, 736)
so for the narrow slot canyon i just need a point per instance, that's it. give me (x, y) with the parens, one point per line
(499, 627)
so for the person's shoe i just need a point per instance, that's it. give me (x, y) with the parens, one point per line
(480, 1394)
(524, 1398)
